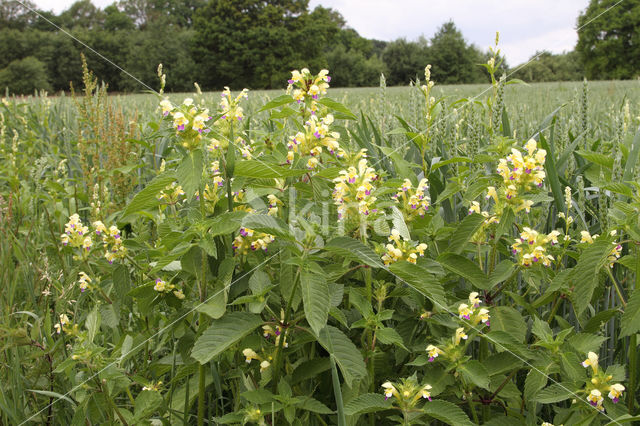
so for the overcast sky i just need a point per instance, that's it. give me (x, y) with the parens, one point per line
(525, 25)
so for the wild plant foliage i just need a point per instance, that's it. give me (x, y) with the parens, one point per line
(294, 263)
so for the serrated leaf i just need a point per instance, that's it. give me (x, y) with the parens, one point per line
(502, 272)
(630, 322)
(223, 333)
(315, 298)
(473, 371)
(345, 353)
(447, 412)
(555, 393)
(399, 224)
(92, 324)
(276, 102)
(337, 106)
(267, 224)
(390, 336)
(464, 232)
(367, 403)
(189, 172)
(585, 343)
(313, 405)
(148, 196)
(262, 170)
(147, 402)
(509, 320)
(420, 280)
(354, 249)
(585, 274)
(464, 268)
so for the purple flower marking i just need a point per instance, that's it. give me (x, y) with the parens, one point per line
(352, 180)
(224, 117)
(164, 114)
(181, 127)
(317, 134)
(328, 78)
(315, 96)
(466, 317)
(527, 171)
(535, 259)
(615, 400)
(431, 359)
(290, 81)
(593, 403)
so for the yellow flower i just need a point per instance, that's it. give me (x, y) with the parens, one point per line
(264, 365)
(84, 281)
(179, 121)
(595, 399)
(178, 294)
(474, 208)
(64, 320)
(166, 106)
(474, 299)
(433, 352)
(591, 361)
(425, 392)
(586, 237)
(249, 355)
(615, 392)
(160, 285)
(460, 335)
(389, 390)
(464, 312)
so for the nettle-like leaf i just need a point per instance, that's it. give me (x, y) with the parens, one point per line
(465, 268)
(630, 322)
(367, 403)
(189, 172)
(464, 232)
(224, 333)
(586, 273)
(421, 281)
(147, 198)
(447, 412)
(345, 353)
(315, 296)
(355, 250)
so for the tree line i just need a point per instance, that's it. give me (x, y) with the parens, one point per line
(255, 43)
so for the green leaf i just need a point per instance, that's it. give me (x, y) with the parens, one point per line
(585, 343)
(464, 232)
(465, 268)
(473, 371)
(390, 336)
(345, 353)
(337, 106)
(315, 298)
(223, 333)
(555, 393)
(354, 249)
(367, 403)
(447, 412)
(509, 320)
(279, 101)
(502, 272)
(148, 197)
(626, 418)
(92, 323)
(451, 160)
(585, 274)
(420, 280)
(147, 403)
(399, 224)
(267, 224)
(259, 169)
(53, 395)
(313, 405)
(630, 323)
(189, 172)
(552, 173)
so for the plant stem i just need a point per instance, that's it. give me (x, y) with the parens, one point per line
(615, 285)
(633, 345)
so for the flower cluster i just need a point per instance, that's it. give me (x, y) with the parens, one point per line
(65, 324)
(231, 109)
(167, 288)
(274, 203)
(407, 393)
(413, 201)
(600, 383)
(614, 254)
(77, 235)
(171, 194)
(250, 239)
(523, 171)
(250, 355)
(308, 86)
(353, 192)
(472, 315)
(531, 247)
(84, 281)
(311, 141)
(400, 249)
(111, 241)
(189, 121)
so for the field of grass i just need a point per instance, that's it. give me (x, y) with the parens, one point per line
(404, 255)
